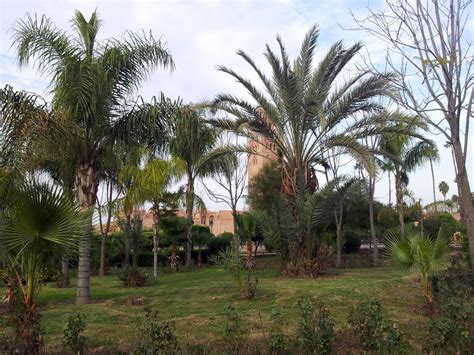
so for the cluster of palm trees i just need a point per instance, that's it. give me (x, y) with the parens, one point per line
(93, 132)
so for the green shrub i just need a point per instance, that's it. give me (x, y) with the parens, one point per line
(219, 243)
(449, 330)
(434, 222)
(234, 329)
(134, 277)
(369, 320)
(316, 327)
(72, 334)
(157, 337)
(351, 242)
(278, 341)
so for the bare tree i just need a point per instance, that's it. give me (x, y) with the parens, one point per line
(429, 50)
(105, 208)
(232, 182)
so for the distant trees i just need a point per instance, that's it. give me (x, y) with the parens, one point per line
(444, 189)
(429, 40)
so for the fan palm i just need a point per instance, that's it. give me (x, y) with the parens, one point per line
(416, 252)
(194, 143)
(443, 188)
(89, 80)
(40, 223)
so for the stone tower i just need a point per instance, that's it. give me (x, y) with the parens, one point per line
(264, 153)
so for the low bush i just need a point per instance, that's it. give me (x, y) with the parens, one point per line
(316, 327)
(369, 320)
(351, 242)
(219, 243)
(234, 328)
(156, 336)
(134, 277)
(449, 328)
(278, 340)
(72, 334)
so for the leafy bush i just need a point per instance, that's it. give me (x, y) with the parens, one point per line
(452, 291)
(234, 329)
(219, 243)
(316, 328)
(134, 277)
(352, 242)
(278, 341)
(72, 334)
(434, 222)
(369, 320)
(157, 337)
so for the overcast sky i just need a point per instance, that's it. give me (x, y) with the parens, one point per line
(203, 34)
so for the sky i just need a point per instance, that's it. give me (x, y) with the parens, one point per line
(202, 34)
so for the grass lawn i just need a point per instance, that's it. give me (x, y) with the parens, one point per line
(195, 300)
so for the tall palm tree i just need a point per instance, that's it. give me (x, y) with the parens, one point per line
(301, 113)
(405, 152)
(433, 156)
(443, 188)
(89, 81)
(152, 184)
(194, 143)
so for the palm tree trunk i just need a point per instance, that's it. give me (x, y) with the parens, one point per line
(466, 198)
(371, 219)
(399, 193)
(235, 237)
(389, 189)
(86, 192)
(102, 255)
(126, 265)
(156, 231)
(434, 186)
(65, 268)
(189, 216)
(338, 218)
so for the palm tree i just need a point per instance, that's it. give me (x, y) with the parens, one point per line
(151, 185)
(247, 228)
(444, 189)
(405, 152)
(300, 113)
(194, 143)
(433, 156)
(40, 222)
(90, 81)
(418, 253)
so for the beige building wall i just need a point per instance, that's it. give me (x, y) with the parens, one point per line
(264, 154)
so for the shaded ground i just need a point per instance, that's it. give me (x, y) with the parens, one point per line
(195, 301)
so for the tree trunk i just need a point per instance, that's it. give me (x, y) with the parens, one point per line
(465, 198)
(389, 189)
(65, 268)
(235, 237)
(338, 236)
(126, 262)
(434, 186)
(85, 184)
(102, 255)
(399, 193)
(371, 219)
(156, 231)
(189, 216)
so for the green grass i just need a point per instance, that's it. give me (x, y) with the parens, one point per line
(195, 301)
